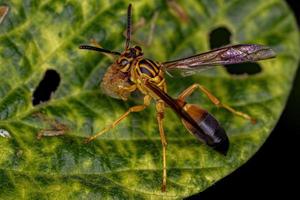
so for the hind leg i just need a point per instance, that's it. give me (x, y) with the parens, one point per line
(187, 92)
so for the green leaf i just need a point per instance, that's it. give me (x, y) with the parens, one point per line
(126, 162)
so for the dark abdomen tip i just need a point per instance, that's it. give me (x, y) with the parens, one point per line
(207, 129)
(222, 146)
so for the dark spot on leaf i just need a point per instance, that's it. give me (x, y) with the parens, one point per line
(46, 87)
(221, 37)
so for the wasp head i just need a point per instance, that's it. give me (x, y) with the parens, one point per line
(128, 56)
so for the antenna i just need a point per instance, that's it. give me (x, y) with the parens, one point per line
(92, 48)
(128, 35)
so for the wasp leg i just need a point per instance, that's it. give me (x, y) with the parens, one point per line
(160, 108)
(115, 123)
(187, 92)
(126, 90)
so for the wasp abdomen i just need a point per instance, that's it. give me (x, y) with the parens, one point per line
(208, 130)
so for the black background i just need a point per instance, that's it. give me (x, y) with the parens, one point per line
(274, 169)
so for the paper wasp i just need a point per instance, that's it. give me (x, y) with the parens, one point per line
(131, 71)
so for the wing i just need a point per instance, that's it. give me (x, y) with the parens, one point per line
(222, 56)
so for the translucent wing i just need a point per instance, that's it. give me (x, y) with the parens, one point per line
(222, 56)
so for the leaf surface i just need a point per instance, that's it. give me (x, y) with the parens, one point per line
(126, 163)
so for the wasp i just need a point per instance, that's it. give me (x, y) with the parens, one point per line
(131, 71)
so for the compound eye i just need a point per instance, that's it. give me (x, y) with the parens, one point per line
(124, 62)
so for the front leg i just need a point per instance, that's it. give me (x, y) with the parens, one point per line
(125, 91)
(115, 123)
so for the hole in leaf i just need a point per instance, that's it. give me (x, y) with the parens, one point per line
(221, 37)
(244, 68)
(46, 87)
